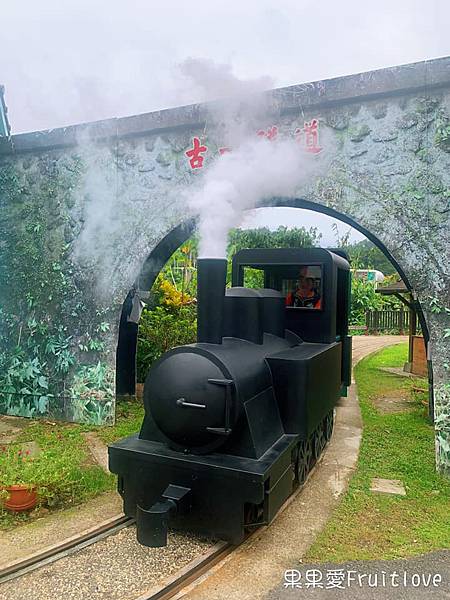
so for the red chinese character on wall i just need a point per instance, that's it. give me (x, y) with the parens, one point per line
(224, 150)
(195, 154)
(271, 133)
(310, 136)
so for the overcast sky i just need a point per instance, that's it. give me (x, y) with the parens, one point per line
(69, 61)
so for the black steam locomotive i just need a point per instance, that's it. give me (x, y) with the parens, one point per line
(234, 422)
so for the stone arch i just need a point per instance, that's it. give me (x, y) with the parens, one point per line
(331, 212)
(113, 188)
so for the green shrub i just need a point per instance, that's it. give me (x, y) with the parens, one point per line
(160, 330)
(365, 298)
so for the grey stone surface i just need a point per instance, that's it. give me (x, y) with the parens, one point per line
(31, 449)
(6, 427)
(392, 404)
(398, 371)
(387, 486)
(98, 449)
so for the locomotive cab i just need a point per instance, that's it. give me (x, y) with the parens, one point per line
(323, 318)
(235, 421)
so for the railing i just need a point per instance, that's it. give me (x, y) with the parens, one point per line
(387, 320)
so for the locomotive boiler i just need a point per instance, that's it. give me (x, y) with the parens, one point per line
(234, 422)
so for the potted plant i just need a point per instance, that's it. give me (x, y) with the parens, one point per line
(18, 491)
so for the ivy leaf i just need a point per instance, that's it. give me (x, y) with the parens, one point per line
(42, 404)
(43, 382)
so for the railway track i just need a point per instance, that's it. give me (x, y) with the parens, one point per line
(169, 588)
(69, 546)
(164, 591)
(200, 566)
(183, 578)
(190, 573)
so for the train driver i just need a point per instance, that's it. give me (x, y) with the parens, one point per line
(306, 294)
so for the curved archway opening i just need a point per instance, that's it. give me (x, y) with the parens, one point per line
(128, 330)
(128, 327)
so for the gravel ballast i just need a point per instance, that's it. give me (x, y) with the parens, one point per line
(115, 568)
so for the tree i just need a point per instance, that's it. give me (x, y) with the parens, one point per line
(180, 269)
(365, 255)
(263, 237)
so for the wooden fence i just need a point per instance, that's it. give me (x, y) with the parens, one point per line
(383, 320)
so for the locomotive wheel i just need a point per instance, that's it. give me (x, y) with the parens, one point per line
(310, 443)
(295, 462)
(253, 514)
(317, 443)
(304, 461)
(323, 436)
(312, 460)
(328, 426)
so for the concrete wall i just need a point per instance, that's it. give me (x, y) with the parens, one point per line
(82, 208)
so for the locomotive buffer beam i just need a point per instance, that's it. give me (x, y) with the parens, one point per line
(152, 524)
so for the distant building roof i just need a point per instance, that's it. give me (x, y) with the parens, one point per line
(5, 129)
(397, 287)
(371, 275)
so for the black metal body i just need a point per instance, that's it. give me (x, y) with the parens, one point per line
(231, 421)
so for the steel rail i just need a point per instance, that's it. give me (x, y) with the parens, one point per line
(190, 573)
(67, 547)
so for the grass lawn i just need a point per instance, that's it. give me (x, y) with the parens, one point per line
(394, 446)
(65, 464)
(129, 417)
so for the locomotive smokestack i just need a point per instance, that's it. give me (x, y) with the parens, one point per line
(211, 281)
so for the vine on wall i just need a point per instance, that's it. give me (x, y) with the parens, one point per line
(49, 324)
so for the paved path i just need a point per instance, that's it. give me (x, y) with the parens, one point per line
(33, 537)
(422, 578)
(258, 565)
(366, 344)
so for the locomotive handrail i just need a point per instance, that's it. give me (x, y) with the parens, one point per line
(183, 402)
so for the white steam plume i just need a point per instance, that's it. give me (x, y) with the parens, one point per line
(258, 169)
(255, 169)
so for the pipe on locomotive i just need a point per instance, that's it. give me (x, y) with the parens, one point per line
(211, 282)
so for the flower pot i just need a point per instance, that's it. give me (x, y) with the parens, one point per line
(21, 497)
